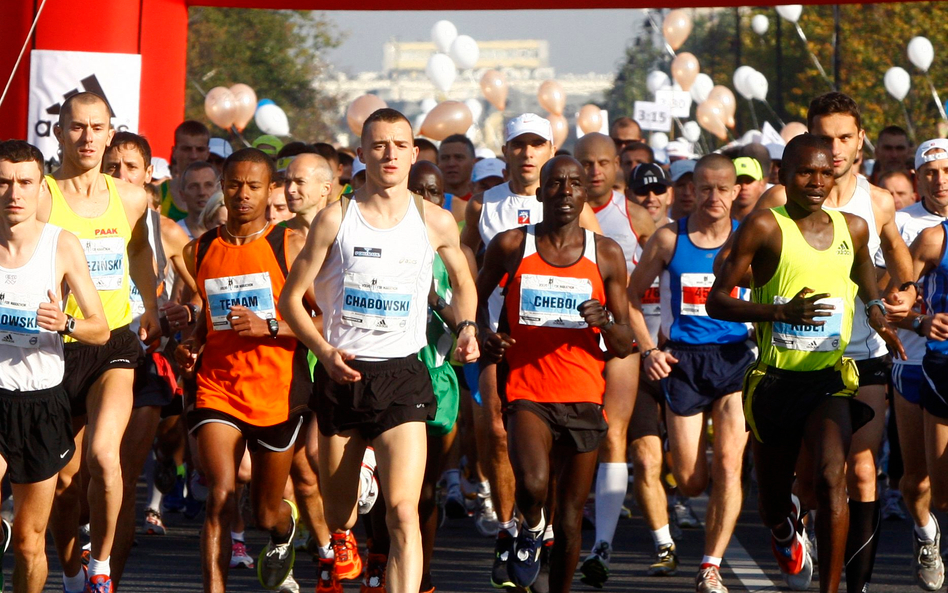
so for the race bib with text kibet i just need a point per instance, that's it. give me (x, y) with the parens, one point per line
(811, 338)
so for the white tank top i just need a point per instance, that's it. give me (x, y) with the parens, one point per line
(31, 358)
(614, 219)
(504, 210)
(373, 287)
(865, 343)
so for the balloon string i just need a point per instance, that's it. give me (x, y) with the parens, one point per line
(908, 121)
(816, 61)
(941, 107)
(771, 109)
(750, 103)
(651, 19)
(26, 43)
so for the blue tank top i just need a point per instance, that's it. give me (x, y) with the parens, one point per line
(936, 293)
(685, 285)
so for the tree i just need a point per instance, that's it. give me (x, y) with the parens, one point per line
(276, 52)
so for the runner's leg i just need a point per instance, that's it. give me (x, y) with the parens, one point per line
(32, 503)
(724, 504)
(574, 476)
(220, 447)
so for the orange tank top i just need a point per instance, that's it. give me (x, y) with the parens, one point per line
(557, 358)
(261, 381)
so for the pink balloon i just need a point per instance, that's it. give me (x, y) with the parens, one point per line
(494, 87)
(220, 106)
(552, 97)
(589, 119)
(712, 117)
(685, 69)
(449, 117)
(676, 28)
(560, 128)
(725, 97)
(360, 109)
(246, 105)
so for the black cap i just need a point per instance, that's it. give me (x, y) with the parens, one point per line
(647, 174)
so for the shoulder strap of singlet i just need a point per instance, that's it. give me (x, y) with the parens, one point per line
(420, 205)
(277, 240)
(589, 246)
(344, 204)
(529, 240)
(204, 243)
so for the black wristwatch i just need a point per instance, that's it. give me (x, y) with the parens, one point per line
(70, 326)
(274, 326)
(463, 324)
(917, 325)
(905, 286)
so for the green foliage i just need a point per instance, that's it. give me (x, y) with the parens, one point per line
(276, 52)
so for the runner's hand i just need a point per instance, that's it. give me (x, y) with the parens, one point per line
(149, 328)
(936, 327)
(495, 345)
(177, 315)
(803, 310)
(467, 349)
(246, 323)
(877, 321)
(897, 305)
(49, 316)
(594, 313)
(339, 371)
(186, 354)
(658, 365)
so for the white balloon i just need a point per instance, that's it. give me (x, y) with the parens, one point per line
(701, 87)
(419, 119)
(760, 24)
(691, 131)
(658, 140)
(477, 110)
(441, 71)
(656, 80)
(443, 34)
(741, 76)
(897, 82)
(751, 136)
(272, 120)
(757, 85)
(464, 52)
(790, 12)
(921, 53)
(428, 104)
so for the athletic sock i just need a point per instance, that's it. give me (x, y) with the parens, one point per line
(326, 552)
(612, 481)
(509, 526)
(538, 529)
(861, 543)
(100, 567)
(714, 561)
(154, 495)
(662, 536)
(182, 471)
(928, 531)
(548, 532)
(237, 536)
(74, 584)
(452, 477)
(483, 489)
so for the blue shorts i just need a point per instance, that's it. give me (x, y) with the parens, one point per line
(934, 389)
(704, 374)
(907, 379)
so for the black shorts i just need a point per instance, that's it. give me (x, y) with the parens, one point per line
(704, 374)
(391, 393)
(277, 438)
(35, 433)
(875, 371)
(933, 391)
(777, 402)
(579, 427)
(85, 364)
(151, 387)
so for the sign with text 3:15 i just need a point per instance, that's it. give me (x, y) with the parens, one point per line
(652, 116)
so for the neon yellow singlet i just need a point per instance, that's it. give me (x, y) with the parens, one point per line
(105, 242)
(168, 207)
(808, 347)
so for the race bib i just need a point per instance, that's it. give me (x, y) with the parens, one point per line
(553, 301)
(376, 303)
(651, 300)
(253, 291)
(811, 338)
(106, 257)
(135, 300)
(695, 289)
(18, 320)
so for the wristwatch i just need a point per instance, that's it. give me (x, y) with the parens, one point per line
(70, 326)
(274, 326)
(917, 325)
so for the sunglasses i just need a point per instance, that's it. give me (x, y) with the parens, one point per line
(650, 189)
(620, 144)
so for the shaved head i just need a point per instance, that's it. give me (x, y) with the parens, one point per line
(595, 143)
(85, 98)
(715, 162)
(320, 166)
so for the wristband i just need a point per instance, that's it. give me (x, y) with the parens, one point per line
(69, 327)
(905, 286)
(610, 323)
(193, 312)
(875, 303)
(917, 325)
(648, 353)
(463, 324)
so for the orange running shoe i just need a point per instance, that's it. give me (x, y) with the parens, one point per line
(346, 551)
(374, 579)
(326, 579)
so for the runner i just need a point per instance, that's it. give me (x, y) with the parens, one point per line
(36, 440)
(191, 144)
(198, 183)
(108, 216)
(630, 226)
(835, 117)
(240, 269)
(371, 389)
(701, 364)
(456, 161)
(800, 392)
(566, 291)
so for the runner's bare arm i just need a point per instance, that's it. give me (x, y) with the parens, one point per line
(73, 269)
(773, 197)
(618, 334)
(642, 223)
(141, 258)
(588, 220)
(898, 261)
(443, 233)
(502, 257)
(655, 258)
(174, 240)
(926, 251)
(471, 235)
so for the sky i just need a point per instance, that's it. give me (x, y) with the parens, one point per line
(568, 32)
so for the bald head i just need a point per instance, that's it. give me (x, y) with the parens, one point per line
(716, 162)
(308, 183)
(597, 154)
(595, 143)
(85, 99)
(310, 164)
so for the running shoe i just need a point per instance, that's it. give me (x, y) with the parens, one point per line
(503, 549)
(685, 516)
(595, 568)
(666, 561)
(891, 507)
(485, 518)
(239, 557)
(289, 585)
(276, 559)
(454, 503)
(326, 579)
(6, 532)
(99, 583)
(166, 474)
(368, 482)
(793, 558)
(173, 501)
(524, 566)
(86, 554)
(542, 584)
(927, 564)
(709, 581)
(346, 551)
(374, 579)
(153, 523)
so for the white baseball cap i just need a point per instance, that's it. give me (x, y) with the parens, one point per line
(161, 168)
(775, 150)
(484, 153)
(921, 158)
(357, 166)
(681, 168)
(529, 123)
(220, 147)
(488, 168)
